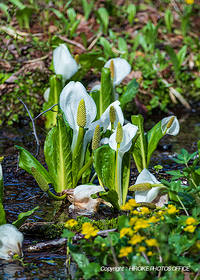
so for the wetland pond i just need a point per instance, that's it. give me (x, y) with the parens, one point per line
(22, 194)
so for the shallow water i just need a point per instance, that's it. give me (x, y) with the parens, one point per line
(21, 192)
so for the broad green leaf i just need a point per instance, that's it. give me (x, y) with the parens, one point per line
(67, 233)
(57, 151)
(123, 48)
(104, 17)
(181, 55)
(139, 150)
(173, 57)
(123, 221)
(18, 4)
(107, 47)
(131, 10)
(80, 258)
(2, 215)
(153, 137)
(74, 27)
(54, 95)
(112, 197)
(87, 61)
(106, 93)
(5, 9)
(129, 93)
(180, 243)
(125, 176)
(91, 270)
(104, 164)
(96, 97)
(23, 216)
(27, 160)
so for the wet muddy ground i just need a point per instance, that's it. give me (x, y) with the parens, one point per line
(22, 194)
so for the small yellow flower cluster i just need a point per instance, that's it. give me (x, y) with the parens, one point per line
(189, 2)
(136, 238)
(71, 223)
(190, 222)
(89, 230)
(125, 251)
(171, 209)
(129, 205)
(152, 242)
(125, 231)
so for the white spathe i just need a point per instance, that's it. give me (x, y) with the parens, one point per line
(147, 196)
(173, 129)
(121, 69)
(64, 63)
(10, 242)
(70, 97)
(129, 131)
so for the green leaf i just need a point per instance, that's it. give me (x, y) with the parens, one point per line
(80, 258)
(57, 151)
(74, 27)
(87, 61)
(129, 93)
(123, 48)
(54, 95)
(67, 233)
(104, 164)
(131, 10)
(2, 215)
(180, 243)
(112, 197)
(107, 47)
(139, 150)
(173, 57)
(106, 94)
(23, 216)
(18, 4)
(27, 160)
(92, 270)
(104, 17)
(181, 55)
(87, 7)
(5, 9)
(153, 137)
(123, 221)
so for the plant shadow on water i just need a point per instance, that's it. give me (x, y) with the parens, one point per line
(22, 194)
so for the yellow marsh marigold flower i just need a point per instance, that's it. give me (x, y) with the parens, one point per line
(190, 228)
(136, 238)
(153, 219)
(71, 223)
(144, 210)
(133, 221)
(129, 205)
(125, 251)
(152, 242)
(89, 230)
(190, 221)
(125, 231)
(189, 2)
(140, 223)
(141, 249)
(150, 253)
(126, 207)
(171, 209)
(135, 212)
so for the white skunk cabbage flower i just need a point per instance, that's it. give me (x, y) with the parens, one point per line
(64, 63)
(70, 98)
(10, 242)
(129, 131)
(170, 125)
(81, 200)
(121, 69)
(152, 195)
(121, 142)
(104, 120)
